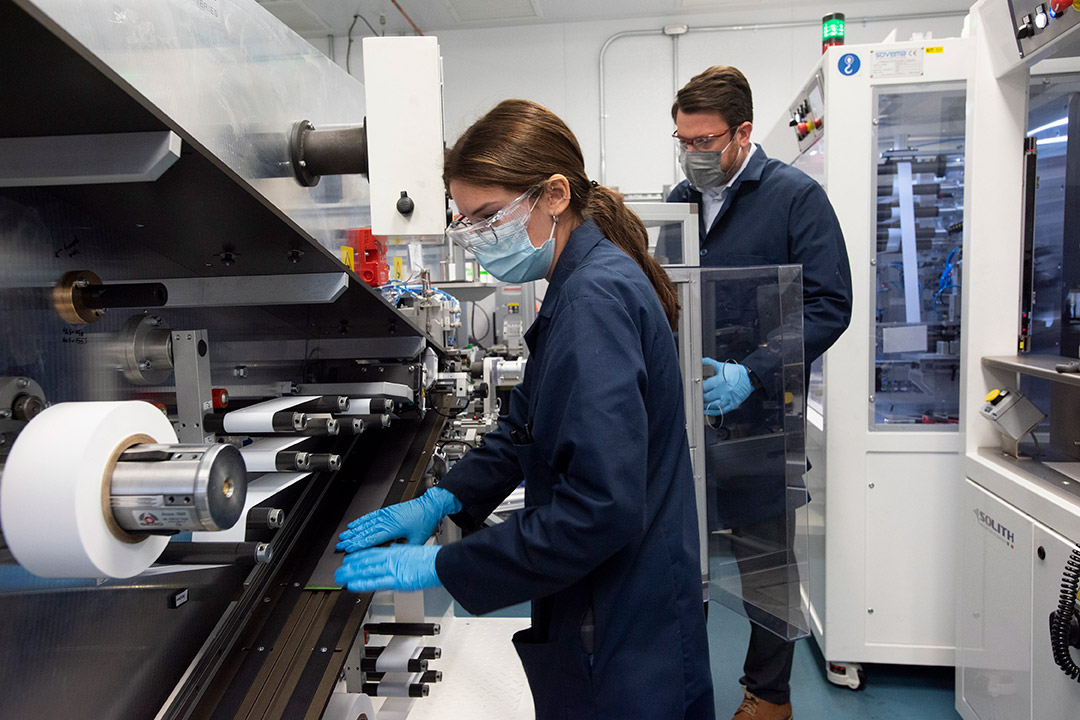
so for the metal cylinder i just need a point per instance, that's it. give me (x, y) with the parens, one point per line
(283, 421)
(260, 518)
(322, 425)
(215, 553)
(321, 462)
(164, 489)
(315, 153)
(350, 425)
(293, 461)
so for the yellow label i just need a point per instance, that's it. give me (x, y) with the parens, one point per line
(934, 50)
(399, 268)
(348, 256)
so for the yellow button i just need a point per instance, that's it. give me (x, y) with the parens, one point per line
(993, 395)
(789, 398)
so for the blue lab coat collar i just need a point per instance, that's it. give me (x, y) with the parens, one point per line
(582, 240)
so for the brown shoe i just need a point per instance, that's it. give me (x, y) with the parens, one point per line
(754, 708)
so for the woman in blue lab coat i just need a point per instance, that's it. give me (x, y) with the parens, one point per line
(606, 547)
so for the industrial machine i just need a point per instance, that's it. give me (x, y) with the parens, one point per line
(1018, 518)
(195, 393)
(882, 128)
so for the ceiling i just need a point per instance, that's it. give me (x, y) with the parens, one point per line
(334, 17)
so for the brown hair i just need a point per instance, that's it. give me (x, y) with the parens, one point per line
(518, 145)
(720, 89)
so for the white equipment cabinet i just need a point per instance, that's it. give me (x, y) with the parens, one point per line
(1019, 519)
(882, 128)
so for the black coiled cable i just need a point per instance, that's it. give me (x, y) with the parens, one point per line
(1061, 626)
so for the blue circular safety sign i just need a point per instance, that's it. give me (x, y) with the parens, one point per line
(849, 64)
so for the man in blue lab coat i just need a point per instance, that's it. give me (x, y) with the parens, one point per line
(754, 210)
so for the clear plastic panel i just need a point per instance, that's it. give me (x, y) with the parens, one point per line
(673, 231)
(919, 234)
(755, 454)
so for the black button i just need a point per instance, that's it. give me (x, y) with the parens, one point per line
(704, 252)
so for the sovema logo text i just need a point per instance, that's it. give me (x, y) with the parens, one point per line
(991, 525)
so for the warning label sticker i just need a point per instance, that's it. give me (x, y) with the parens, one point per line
(164, 518)
(896, 63)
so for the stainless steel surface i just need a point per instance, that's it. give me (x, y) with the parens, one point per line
(1040, 366)
(146, 343)
(87, 159)
(194, 396)
(178, 488)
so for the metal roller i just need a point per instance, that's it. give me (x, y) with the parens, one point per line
(165, 489)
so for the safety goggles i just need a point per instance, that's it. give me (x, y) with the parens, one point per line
(469, 234)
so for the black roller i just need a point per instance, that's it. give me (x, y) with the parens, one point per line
(214, 553)
(260, 518)
(315, 153)
(134, 295)
(410, 629)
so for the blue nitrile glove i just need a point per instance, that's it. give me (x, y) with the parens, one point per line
(727, 389)
(405, 568)
(414, 520)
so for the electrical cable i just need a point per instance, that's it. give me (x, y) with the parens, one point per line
(472, 326)
(1061, 622)
(348, 46)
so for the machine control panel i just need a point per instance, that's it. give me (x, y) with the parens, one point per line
(808, 113)
(1037, 24)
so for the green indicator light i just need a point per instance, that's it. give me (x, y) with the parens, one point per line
(832, 29)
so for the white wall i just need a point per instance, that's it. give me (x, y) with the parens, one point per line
(557, 66)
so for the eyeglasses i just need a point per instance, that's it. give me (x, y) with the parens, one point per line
(470, 234)
(705, 142)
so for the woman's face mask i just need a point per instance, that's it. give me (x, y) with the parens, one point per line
(705, 168)
(501, 243)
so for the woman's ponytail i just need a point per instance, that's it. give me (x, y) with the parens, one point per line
(620, 225)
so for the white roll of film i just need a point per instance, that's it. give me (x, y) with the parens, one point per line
(349, 706)
(54, 494)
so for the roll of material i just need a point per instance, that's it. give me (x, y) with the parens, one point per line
(261, 455)
(54, 498)
(260, 418)
(349, 706)
(259, 490)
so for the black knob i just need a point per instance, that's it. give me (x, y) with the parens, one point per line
(405, 204)
(1041, 552)
(1027, 28)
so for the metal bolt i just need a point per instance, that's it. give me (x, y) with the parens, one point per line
(871, 486)
(870, 611)
(266, 599)
(874, 121)
(82, 283)
(144, 365)
(401, 479)
(873, 261)
(296, 584)
(260, 648)
(5, 413)
(382, 369)
(303, 163)
(322, 649)
(155, 320)
(871, 398)
(22, 382)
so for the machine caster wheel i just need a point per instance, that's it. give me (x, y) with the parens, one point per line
(849, 675)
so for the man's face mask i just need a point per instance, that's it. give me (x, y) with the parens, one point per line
(704, 168)
(501, 243)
